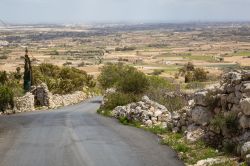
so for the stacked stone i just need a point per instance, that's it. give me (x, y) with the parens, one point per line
(146, 111)
(230, 97)
(40, 96)
(24, 103)
(180, 120)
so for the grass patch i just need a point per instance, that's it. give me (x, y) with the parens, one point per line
(126, 121)
(189, 153)
(206, 58)
(157, 130)
(104, 112)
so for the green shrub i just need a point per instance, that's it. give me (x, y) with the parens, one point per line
(189, 77)
(12, 81)
(119, 99)
(16, 88)
(6, 98)
(111, 74)
(125, 78)
(192, 74)
(186, 68)
(62, 80)
(159, 82)
(200, 75)
(229, 122)
(133, 81)
(157, 72)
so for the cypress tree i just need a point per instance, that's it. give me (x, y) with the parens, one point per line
(27, 78)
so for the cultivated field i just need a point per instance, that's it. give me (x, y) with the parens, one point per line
(166, 47)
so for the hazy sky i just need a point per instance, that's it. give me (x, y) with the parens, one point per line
(84, 11)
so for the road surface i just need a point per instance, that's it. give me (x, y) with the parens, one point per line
(77, 136)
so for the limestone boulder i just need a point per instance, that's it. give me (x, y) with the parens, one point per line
(244, 122)
(201, 115)
(201, 98)
(25, 103)
(194, 135)
(245, 87)
(245, 106)
(245, 149)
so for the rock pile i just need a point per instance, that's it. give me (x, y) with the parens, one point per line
(146, 111)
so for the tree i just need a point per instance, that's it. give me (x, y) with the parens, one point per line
(27, 79)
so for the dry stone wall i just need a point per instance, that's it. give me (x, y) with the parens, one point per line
(24, 104)
(219, 115)
(40, 96)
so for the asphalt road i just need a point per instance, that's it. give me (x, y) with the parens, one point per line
(77, 136)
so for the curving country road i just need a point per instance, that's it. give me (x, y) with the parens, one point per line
(77, 136)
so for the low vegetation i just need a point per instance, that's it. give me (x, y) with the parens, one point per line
(6, 98)
(165, 93)
(10, 87)
(131, 85)
(61, 80)
(192, 74)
